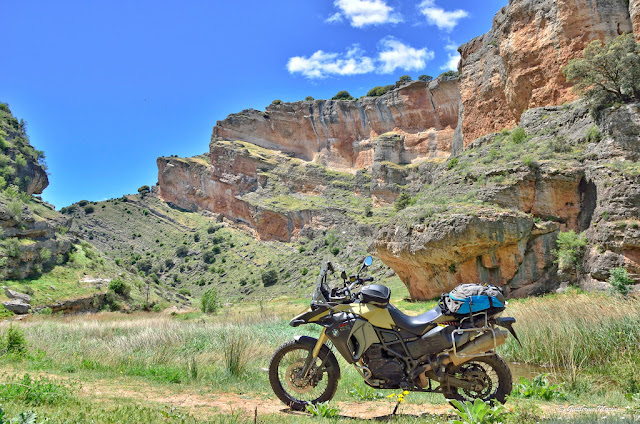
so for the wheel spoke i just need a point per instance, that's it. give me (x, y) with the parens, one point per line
(304, 389)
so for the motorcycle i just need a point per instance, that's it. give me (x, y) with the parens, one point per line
(438, 351)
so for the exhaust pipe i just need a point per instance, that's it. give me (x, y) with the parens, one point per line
(470, 350)
(478, 346)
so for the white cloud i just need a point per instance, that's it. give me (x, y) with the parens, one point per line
(454, 58)
(364, 12)
(395, 55)
(443, 19)
(322, 64)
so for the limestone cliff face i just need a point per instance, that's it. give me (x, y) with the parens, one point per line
(494, 218)
(517, 64)
(338, 132)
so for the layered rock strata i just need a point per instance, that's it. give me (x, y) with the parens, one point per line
(507, 200)
(517, 64)
(337, 133)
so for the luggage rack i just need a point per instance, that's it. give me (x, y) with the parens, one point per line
(480, 330)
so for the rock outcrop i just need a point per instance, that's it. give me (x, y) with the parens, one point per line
(517, 65)
(337, 133)
(508, 200)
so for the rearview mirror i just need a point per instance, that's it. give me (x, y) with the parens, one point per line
(368, 261)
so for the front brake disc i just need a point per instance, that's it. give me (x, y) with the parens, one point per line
(296, 384)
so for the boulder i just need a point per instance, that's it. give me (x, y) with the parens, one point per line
(17, 306)
(11, 294)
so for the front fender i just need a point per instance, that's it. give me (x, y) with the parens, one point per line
(324, 350)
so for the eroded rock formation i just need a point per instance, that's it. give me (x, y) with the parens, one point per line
(517, 65)
(337, 133)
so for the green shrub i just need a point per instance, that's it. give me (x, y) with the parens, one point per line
(323, 410)
(119, 287)
(196, 237)
(402, 201)
(450, 74)
(144, 190)
(593, 134)
(478, 412)
(83, 203)
(209, 257)
(12, 247)
(304, 271)
(538, 388)
(425, 78)
(269, 277)
(607, 73)
(184, 292)
(182, 251)
(212, 229)
(45, 254)
(277, 102)
(619, 279)
(144, 265)
(14, 341)
(530, 162)
(343, 95)
(88, 209)
(210, 302)
(309, 99)
(21, 161)
(380, 90)
(518, 135)
(453, 162)
(3, 182)
(570, 249)
(14, 208)
(335, 251)
(404, 78)
(34, 391)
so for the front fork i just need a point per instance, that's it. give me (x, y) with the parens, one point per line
(311, 358)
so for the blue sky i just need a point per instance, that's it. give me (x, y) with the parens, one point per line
(108, 86)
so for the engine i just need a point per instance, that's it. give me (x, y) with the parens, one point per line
(386, 371)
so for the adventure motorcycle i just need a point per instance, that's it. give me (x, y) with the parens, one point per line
(453, 351)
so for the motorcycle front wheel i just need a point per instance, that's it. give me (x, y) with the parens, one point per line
(298, 391)
(490, 373)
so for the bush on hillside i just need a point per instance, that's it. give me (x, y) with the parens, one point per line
(309, 99)
(88, 209)
(570, 250)
(608, 72)
(210, 301)
(620, 280)
(269, 277)
(144, 190)
(425, 78)
(379, 91)
(277, 102)
(404, 78)
(119, 287)
(182, 251)
(343, 95)
(402, 201)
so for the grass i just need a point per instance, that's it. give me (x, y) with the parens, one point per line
(587, 339)
(577, 334)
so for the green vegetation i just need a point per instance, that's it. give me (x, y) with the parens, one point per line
(449, 74)
(570, 250)
(380, 90)
(425, 78)
(404, 78)
(269, 277)
(119, 287)
(343, 95)
(210, 301)
(608, 72)
(309, 99)
(277, 102)
(402, 201)
(478, 412)
(323, 410)
(620, 280)
(538, 388)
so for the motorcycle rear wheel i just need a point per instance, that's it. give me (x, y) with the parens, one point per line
(296, 392)
(492, 372)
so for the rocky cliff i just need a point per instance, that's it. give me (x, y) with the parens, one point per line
(338, 133)
(494, 213)
(32, 232)
(517, 64)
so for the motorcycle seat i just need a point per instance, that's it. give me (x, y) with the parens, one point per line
(417, 325)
